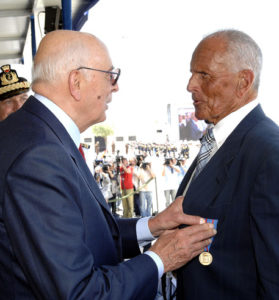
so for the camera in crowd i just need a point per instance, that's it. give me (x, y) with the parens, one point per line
(167, 161)
(144, 165)
(98, 162)
(139, 160)
(105, 168)
(118, 159)
(179, 161)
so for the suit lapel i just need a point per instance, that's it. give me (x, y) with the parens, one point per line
(35, 107)
(204, 190)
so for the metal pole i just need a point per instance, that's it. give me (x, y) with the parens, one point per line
(33, 36)
(157, 202)
(67, 14)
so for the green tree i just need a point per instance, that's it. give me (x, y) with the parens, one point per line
(102, 130)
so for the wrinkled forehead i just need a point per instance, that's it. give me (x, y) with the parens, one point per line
(213, 44)
(212, 52)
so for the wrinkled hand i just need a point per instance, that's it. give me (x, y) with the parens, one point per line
(179, 246)
(171, 218)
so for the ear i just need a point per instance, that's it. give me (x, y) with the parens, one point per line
(245, 82)
(74, 84)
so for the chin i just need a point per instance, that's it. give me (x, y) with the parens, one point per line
(102, 119)
(199, 115)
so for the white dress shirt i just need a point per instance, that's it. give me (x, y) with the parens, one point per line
(224, 128)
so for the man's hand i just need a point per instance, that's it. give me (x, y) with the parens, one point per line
(177, 247)
(171, 218)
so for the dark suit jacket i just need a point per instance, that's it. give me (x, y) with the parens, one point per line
(58, 239)
(239, 187)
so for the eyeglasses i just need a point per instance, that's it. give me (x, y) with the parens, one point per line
(114, 73)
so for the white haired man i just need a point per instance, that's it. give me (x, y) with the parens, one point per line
(234, 179)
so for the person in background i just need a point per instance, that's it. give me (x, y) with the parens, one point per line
(115, 188)
(106, 181)
(234, 179)
(170, 171)
(127, 188)
(13, 91)
(145, 175)
(98, 176)
(136, 184)
(181, 164)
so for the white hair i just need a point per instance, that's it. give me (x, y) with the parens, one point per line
(243, 52)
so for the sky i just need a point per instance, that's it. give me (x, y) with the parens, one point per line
(152, 42)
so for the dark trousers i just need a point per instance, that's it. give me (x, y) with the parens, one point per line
(136, 204)
(112, 205)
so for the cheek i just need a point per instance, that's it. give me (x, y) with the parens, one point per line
(101, 101)
(1, 113)
(215, 95)
(210, 93)
(4, 112)
(223, 101)
(7, 109)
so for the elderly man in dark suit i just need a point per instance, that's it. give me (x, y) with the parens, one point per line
(234, 179)
(58, 239)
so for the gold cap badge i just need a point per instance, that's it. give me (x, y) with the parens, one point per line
(11, 84)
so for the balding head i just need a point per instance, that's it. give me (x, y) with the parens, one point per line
(222, 81)
(62, 51)
(241, 51)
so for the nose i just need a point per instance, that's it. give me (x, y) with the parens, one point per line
(115, 88)
(192, 84)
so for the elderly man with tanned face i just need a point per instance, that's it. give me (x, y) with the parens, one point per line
(58, 239)
(233, 182)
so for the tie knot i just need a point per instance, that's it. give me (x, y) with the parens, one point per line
(208, 138)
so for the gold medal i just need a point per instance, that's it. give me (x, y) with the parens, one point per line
(205, 258)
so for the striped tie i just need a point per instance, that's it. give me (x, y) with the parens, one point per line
(207, 144)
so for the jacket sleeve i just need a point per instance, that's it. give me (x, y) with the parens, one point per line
(130, 244)
(46, 230)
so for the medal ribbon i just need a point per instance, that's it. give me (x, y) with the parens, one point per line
(214, 222)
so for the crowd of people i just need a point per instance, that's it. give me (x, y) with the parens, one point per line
(180, 149)
(128, 182)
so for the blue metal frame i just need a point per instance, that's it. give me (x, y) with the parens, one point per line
(33, 36)
(67, 14)
(82, 16)
(76, 22)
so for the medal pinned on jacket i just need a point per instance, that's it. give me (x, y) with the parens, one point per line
(206, 257)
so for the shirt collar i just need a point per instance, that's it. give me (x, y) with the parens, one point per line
(226, 126)
(66, 121)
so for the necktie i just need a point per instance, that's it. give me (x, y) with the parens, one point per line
(81, 151)
(207, 144)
